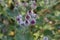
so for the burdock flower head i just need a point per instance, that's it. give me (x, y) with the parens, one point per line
(19, 18)
(26, 22)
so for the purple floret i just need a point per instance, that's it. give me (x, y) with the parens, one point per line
(27, 17)
(33, 22)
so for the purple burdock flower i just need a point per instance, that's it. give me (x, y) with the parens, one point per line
(19, 20)
(27, 23)
(33, 21)
(30, 12)
(19, 17)
(28, 17)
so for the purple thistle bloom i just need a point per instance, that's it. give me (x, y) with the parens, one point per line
(19, 17)
(27, 23)
(28, 17)
(33, 21)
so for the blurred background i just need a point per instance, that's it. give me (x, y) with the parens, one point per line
(29, 19)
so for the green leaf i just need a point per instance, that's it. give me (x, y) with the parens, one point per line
(48, 32)
(57, 26)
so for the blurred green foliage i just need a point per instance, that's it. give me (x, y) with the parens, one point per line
(48, 21)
